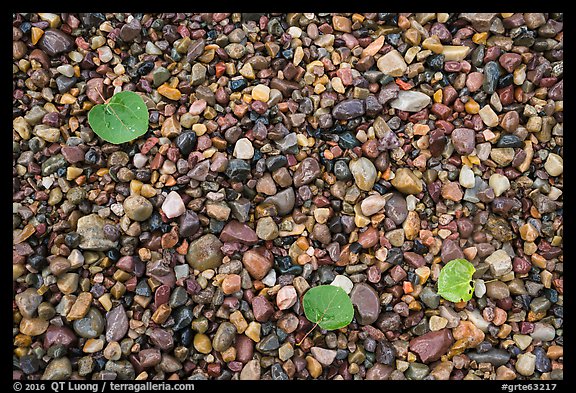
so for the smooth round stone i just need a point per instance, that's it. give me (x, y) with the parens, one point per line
(463, 140)
(343, 282)
(341, 170)
(494, 356)
(33, 326)
(91, 326)
(202, 343)
(243, 149)
(204, 253)
(224, 336)
(554, 164)
(497, 290)
(137, 208)
(364, 173)
(396, 208)
(372, 204)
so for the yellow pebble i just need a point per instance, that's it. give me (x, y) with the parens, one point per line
(105, 301)
(302, 140)
(67, 98)
(199, 128)
(169, 92)
(480, 38)
(438, 96)
(36, 35)
(472, 107)
(261, 93)
(319, 89)
(147, 191)
(72, 172)
(102, 171)
(209, 152)
(135, 187)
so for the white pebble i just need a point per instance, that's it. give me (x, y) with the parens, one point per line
(466, 177)
(343, 282)
(173, 205)
(244, 149)
(140, 160)
(270, 279)
(499, 183)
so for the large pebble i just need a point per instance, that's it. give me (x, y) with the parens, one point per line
(364, 173)
(204, 253)
(137, 208)
(366, 303)
(431, 346)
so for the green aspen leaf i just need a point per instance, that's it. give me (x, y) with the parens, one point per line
(328, 306)
(122, 119)
(455, 281)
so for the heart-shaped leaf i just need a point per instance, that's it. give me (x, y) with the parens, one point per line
(455, 281)
(122, 119)
(328, 306)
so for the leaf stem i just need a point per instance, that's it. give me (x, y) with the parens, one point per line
(108, 107)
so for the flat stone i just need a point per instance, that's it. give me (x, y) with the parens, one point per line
(343, 282)
(92, 235)
(393, 64)
(431, 346)
(236, 231)
(116, 324)
(323, 355)
(54, 42)
(366, 303)
(307, 171)
(348, 109)
(410, 101)
(286, 297)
